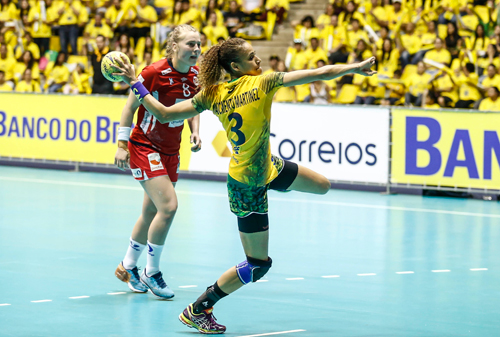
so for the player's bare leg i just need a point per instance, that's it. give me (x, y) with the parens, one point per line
(127, 270)
(161, 191)
(309, 181)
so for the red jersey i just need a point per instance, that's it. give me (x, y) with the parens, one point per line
(168, 86)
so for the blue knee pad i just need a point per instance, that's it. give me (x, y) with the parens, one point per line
(252, 270)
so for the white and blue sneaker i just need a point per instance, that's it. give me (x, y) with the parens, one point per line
(131, 277)
(157, 285)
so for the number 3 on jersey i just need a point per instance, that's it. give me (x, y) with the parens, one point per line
(236, 128)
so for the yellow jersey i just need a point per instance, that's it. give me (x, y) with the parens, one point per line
(491, 82)
(243, 106)
(488, 104)
(23, 86)
(416, 83)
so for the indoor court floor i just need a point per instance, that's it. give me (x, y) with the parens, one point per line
(344, 264)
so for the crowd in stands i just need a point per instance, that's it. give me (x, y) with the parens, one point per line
(56, 46)
(431, 54)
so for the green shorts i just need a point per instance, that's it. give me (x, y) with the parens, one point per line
(245, 199)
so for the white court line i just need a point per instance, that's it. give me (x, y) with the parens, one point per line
(405, 272)
(330, 276)
(4, 304)
(367, 274)
(393, 208)
(478, 269)
(191, 286)
(40, 301)
(77, 297)
(262, 281)
(441, 271)
(294, 278)
(273, 333)
(118, 293)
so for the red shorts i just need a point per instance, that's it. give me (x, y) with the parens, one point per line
(146, 163)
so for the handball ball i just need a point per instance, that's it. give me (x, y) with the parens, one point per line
(108, 63)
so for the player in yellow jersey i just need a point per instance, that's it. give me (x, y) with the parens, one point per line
(243, 105)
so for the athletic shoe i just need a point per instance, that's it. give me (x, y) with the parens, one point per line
(156, 285)
(131, 277)
(204, 322)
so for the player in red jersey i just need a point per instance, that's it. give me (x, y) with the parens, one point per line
(152, 154)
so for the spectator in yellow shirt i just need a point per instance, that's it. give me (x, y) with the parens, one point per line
(356, 34)
(273, 64)
(479, 43)
(376, 16)
(98, 27)
(293, 54)
(305, 30)
(410, 44)
(427, 42)
(118, 17)
(145, 17)
(190, 15)
(492, 103)
(314, 53)
(214, 31)
(40, 25)
(439, 54)
(416, 85)
(452, 40)
(8, 11)
(4, 86)
(7, 63)
(350, 14)
(466, 79)
(147, 60)
(212, 7)
(68, 12)
(445, 90)
(429, 100)
(28, 84)
(492, 80)
(170, 18)
(334, 41)
(324, 19)
(28, 44)
(279, 7)
(58, 76)
(399, 16)
(26, 61)
(387, 58)
(396, 91)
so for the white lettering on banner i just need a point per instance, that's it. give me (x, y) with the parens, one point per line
(342, 143)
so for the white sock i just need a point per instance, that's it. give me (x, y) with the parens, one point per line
(133, 253)
(154, 254)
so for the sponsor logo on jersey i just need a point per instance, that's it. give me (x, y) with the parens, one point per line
(137, 173)
(230, 91)
(155, 161)
(171, 80)
(174, 124)
(194, 71)
(166, 71)
(196, 81)
(184, 79)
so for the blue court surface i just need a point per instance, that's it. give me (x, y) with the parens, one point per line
(345, 264)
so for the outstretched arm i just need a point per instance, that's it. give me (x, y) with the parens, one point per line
(328, 72)
(163, 114)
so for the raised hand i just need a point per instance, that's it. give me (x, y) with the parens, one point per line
(126, 70)
(364, 67)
